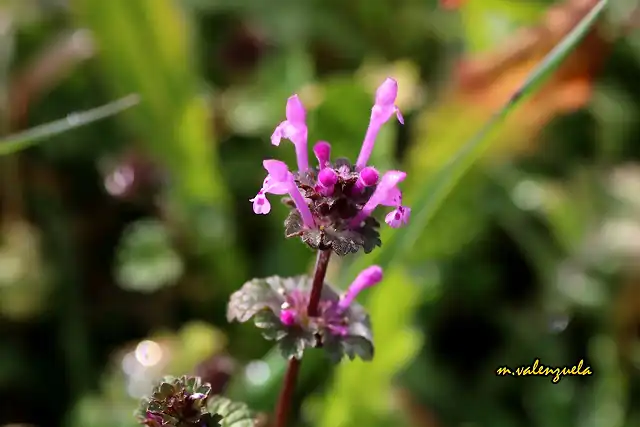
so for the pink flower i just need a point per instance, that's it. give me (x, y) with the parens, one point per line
(281, 181)
(398, 217)
(295, 130)
(368, 277)
(386, 193)
(327, 179)
(261, 205)
(381, 112)
(288, 317)
(322, 150)
(368, 177)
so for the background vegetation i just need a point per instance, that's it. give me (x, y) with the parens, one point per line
(121, 241)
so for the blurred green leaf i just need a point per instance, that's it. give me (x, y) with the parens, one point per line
(488, 22)
(234, 414)
(145, 46)
(146, 261)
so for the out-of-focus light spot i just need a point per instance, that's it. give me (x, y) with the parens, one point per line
(528, 195)
(247, 117)
(622, 237)
(130, 364)
(83, 43)
(558, 322)
(119, 181)
(137, 389)
(148, 353)
(11, 268)
(579, 287)
(257, 372)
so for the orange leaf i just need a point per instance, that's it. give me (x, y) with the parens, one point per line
(489, 80)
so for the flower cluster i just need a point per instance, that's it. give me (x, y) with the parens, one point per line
(187, 402)
(278, 306)
(178, 402)
(331, 204)
(331, 211)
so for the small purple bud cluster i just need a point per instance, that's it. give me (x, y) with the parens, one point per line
(332, 316)
(332, 204)
(279, 306)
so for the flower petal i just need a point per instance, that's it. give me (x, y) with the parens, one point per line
(387, 92)
(261, 205)
(277, 169)
(295, 110)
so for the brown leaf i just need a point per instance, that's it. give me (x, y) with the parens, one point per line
(489, 79)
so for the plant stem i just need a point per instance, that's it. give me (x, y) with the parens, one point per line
(286, 394)
(289, 384)
(322, 262)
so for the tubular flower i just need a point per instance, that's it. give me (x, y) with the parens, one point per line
(332, 204)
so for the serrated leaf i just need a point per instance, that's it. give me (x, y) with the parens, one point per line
(234, 414)
(166, 390)
(294, 343)
(262, 300)
(191, 383)
(359, 340)
(254, 296)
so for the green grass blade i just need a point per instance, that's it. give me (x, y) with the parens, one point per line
(29, 137)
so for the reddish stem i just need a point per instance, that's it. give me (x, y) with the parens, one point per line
(285, 399)
(322, 262)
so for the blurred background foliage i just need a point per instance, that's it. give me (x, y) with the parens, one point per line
(121, 241)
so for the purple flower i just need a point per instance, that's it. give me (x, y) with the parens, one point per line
(260, 203)
(381, 112)
(386, 194)
(322, 150)
(368, 178)
(327, 179)
(398, 217)
(279, 306)
(288, 317)
(332, 204)
(281, 181)
(295, 130)
(293, 310)
(368, 277)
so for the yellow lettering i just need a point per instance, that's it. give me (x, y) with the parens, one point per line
(535, 365)
(556, 373)
(503, 371)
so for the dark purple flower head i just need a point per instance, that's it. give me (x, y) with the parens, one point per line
(279, 307)
(178, 402)
(332, 204)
